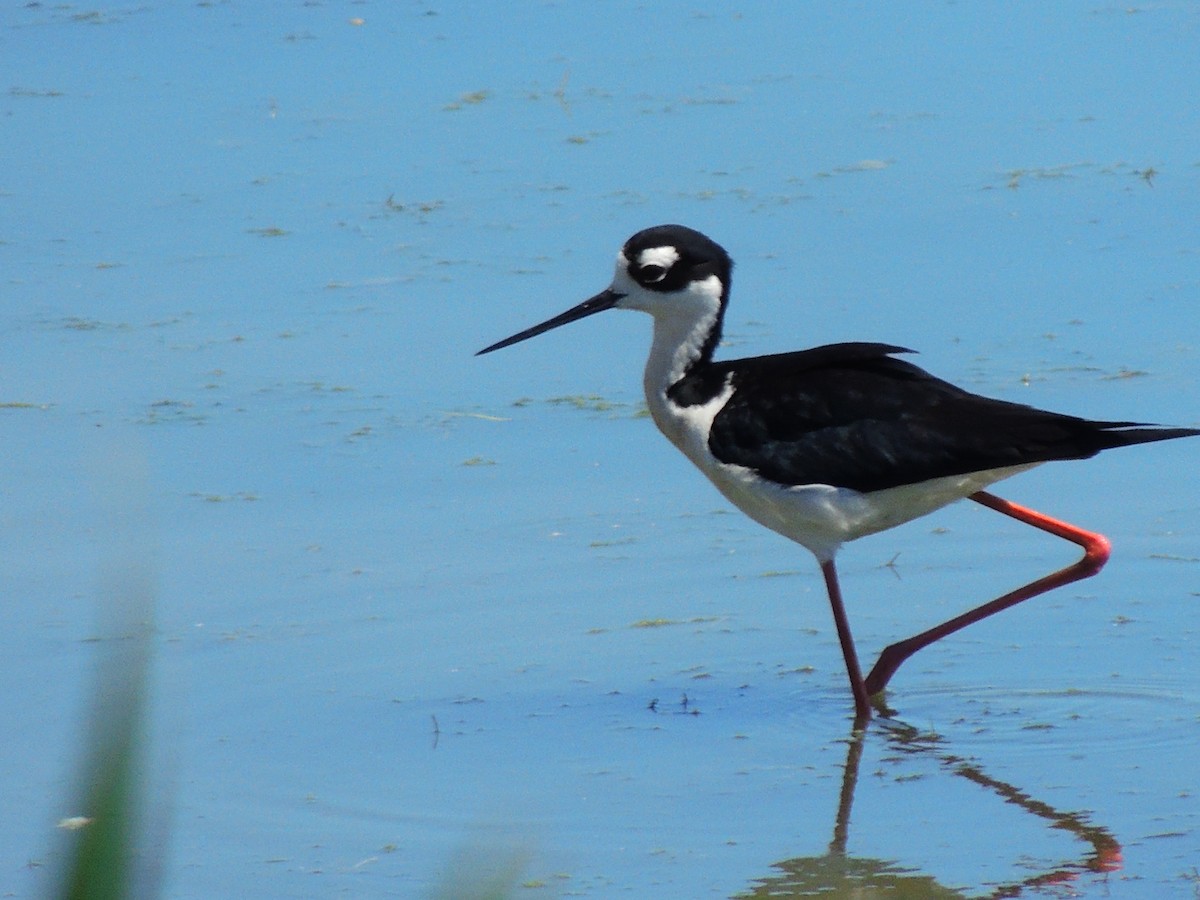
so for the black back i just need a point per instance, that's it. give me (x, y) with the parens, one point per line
(854, 416)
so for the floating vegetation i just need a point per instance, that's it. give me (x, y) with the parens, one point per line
(863, 165)
(33, 92)
(474, 98)
(756, 201)
(1015, 178)
(78, 323)
(615, 542)
(559, 93)
(797, 670)
(320, 387)
(420, 207)
(723, 100)
(1044, 173)
(92, 17)
(224, 498)
(479, 461)
(161, 411)
(446, 417)
(591, 403)
(662, 623)
(1123, 373)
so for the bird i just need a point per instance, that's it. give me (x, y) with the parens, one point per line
(833, 443)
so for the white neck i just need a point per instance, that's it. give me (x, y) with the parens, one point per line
(682, 325)
(678, 338)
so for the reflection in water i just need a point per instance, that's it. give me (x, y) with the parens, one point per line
(838, 875)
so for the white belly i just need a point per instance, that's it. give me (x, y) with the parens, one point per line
(822, 517)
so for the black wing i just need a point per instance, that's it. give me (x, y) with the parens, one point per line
(852, 415)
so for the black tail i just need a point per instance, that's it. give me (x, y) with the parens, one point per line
(1126, 434)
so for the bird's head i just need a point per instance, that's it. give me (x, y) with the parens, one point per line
(668, 271)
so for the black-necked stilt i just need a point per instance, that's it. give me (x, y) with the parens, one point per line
(837, 442)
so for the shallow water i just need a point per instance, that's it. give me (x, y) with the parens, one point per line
(420, 619)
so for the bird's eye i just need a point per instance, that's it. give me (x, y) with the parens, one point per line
(651, 274)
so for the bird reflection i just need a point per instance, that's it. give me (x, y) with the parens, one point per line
(837, 874)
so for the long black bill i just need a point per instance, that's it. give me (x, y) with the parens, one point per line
(606, 299)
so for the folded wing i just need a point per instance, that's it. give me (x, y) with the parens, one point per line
(854, 416)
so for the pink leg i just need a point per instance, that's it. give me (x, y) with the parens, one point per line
(1095, 555)
(862, 704)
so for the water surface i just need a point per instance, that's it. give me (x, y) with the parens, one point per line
(422, 620)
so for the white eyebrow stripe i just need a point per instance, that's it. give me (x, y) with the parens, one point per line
(658, 256)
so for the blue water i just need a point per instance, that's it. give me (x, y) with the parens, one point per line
(247, 251)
